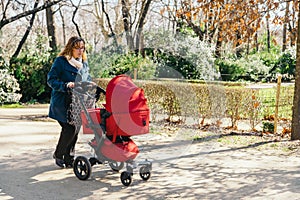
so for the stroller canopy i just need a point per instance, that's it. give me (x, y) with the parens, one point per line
(123, 96)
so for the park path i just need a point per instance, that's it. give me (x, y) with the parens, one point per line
(182, 169)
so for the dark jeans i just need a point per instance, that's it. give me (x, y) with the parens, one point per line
(67, 140)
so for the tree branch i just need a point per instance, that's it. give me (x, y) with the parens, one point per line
(73, 18)
(26, 34)
(5, 21)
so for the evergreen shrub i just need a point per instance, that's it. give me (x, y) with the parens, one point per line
(9, 88)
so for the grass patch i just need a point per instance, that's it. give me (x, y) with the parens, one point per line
(205, 137)
(237, 141)
(14, 105)
(266, 144)
(267, 98)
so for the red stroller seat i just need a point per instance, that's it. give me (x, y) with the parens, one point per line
(129, 115)
(128, 106)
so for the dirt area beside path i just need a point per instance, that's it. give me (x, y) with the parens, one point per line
(187, 164)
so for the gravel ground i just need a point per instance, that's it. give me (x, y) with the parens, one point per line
(188, 163)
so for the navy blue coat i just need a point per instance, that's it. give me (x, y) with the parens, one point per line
(60, 74)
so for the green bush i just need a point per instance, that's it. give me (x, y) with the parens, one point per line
(31, 69)
(101, 63)
(269, 58)
(286, 66)
(9, 88)
(126, 64)
(268, 127)
(279, 63)
(180, 56)
(250, 68)
(31, 72)
(110, 63)
(3, 64)
(230, 71)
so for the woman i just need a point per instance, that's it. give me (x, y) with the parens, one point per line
(69, 67)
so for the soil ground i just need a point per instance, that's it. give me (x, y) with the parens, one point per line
(187, 164)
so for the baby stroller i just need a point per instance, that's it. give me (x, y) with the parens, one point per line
(125, 114)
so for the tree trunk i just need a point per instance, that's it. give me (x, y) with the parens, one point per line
(238, 48)
(286, 18)
(256, 42)
(51, 28)
(127, 25)
(63, 26)
(296, 103)
(219, 43)
(256, 34)
(139, 37)
(268, 34)
(292, 25)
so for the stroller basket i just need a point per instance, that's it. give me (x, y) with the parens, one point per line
(96, 120)
(120, 151)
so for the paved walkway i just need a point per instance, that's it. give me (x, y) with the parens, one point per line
(181, 169)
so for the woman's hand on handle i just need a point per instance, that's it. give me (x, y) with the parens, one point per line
(70, 85)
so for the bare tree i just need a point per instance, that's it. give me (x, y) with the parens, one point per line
(100, 11)
(73, 17)
(4, 20)
(21, 43)
(139, 36)
(292, 24)
(127, 23)
(63, 26)
(286, 18)
(268, 32)
(108, 21)
(51, 28)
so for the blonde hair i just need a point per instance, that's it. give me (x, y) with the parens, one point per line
(71, 44)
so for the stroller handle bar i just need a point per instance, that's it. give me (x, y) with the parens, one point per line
(85, 88)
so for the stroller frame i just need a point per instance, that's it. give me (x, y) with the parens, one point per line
(82, 165)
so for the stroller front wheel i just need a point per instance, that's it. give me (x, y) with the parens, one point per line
(145, 173)
(82, 168)
(126, 178)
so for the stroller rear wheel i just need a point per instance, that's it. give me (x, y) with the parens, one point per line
(126, 178)
(82, 168)
(116, 166)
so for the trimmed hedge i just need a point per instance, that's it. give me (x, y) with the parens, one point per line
(177, 101)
